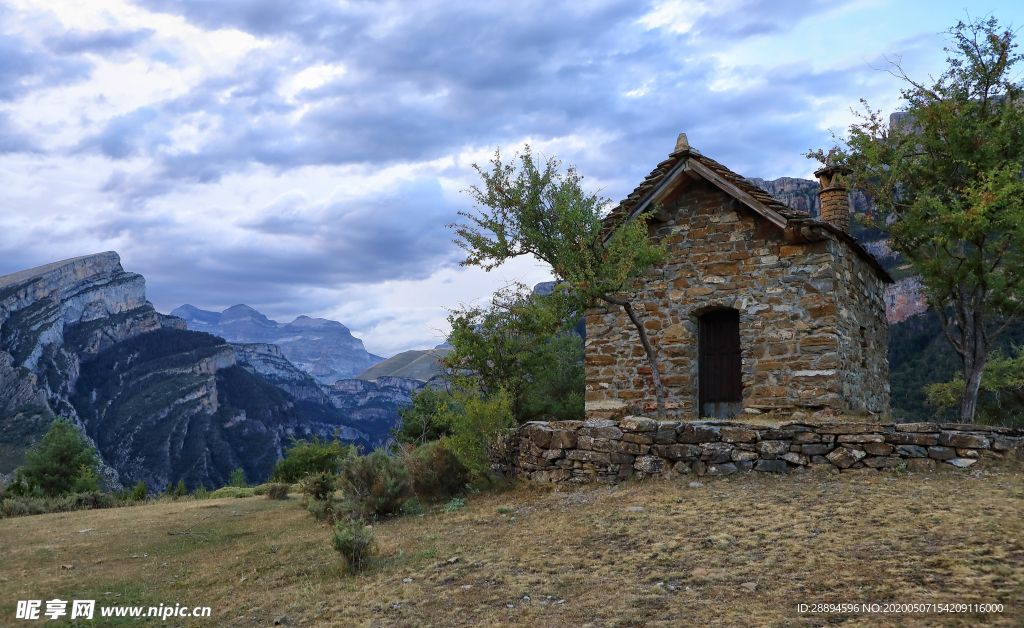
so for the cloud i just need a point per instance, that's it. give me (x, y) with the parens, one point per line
(13, 139)
(24, 69)
(97, 42)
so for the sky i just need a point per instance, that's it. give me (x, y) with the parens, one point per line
(307, 157)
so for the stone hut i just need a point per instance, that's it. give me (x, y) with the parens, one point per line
(757, 307)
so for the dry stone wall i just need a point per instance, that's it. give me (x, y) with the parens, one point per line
(604, 450)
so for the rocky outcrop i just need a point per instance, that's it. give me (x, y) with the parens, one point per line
(903, 299)
(325, 349)
(373, 406)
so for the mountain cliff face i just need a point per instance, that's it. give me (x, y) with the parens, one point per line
(325, 349)
(161, 403)
(51, 318)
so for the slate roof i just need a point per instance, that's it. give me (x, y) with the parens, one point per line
(793, 218)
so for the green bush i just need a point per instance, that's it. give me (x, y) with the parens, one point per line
(412, 506)
(232, 491)
(277, 491)
(321, 510)
(138, 493)
(456, 504)
(319, 486)
(480, 433)
(21, 506)
(201, 493)
(180, 490)
(422, 420)
(436, 472)
(307, 457)
(355, 542)
(237, 478)
(375, 485)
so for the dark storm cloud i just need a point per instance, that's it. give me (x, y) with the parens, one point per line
(98, 42)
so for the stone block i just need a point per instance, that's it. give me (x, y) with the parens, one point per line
(698, 467)
(699, 433)
(681, 467)
(598, 423)
(882, 462)
(861, 438)
(964, 441)
(772, 466)
(917, 427)
(907, 438)
(643, 439)
(603, 444)
(844, 457)
(815, 449)
(806, 437)
(610, 433)
(849, 428)
(666, 433)
(820, 460)
(968, 453)
(552, 475)
(1005, 444)
(773, 447)
(585, 442)
(912, 451)
(725, 468)
(878, 449)
(920, 464)
(563, 439)
(649, 464)
(941, 453)
(616, 458)
(743, 456)
(565, 425)
(962, 463)
(538, 433)
(638, 424)
(795, 458)
(677, 451)
(738, 435)
(589, 456)
(553, 454)
(777, 434)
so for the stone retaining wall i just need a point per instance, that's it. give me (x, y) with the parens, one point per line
(604, 450)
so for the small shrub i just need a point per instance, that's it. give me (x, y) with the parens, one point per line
(277, 491)
(504, 510)
(201, 493)
(322, 510)
(355, 542)
(436, 472)
(375, 485)
(319, 486)
(231, 491)
(412, 506)
(237, 478)
(455, 504)
(180, 491)
(138, 493)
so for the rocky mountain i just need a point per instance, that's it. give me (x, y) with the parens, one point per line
(418, 365)
(162, 403)
(325, 349)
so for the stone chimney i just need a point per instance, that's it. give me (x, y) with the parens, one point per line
(835, 200)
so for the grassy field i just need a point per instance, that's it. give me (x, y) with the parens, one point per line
(736, 551)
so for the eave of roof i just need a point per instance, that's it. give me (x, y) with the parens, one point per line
(689, 162)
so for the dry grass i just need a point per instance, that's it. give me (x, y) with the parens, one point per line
(583, 558)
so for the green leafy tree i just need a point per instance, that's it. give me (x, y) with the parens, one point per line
(536, 209)
(514, 344)
(1000, 395)
(481, 428)
(63, 461)
(237, 478)
(306, 457)
(422, 420)
(947, 184)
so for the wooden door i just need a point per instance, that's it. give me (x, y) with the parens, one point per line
(719, 377)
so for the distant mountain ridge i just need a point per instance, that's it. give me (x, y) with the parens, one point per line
(325, 349)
